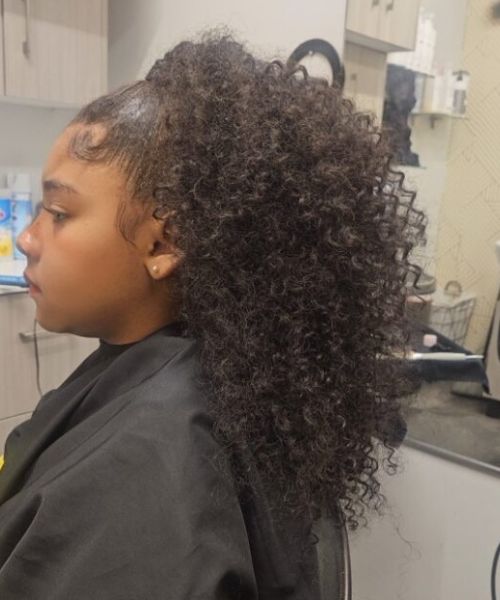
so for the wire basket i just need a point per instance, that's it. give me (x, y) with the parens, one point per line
(451, 311)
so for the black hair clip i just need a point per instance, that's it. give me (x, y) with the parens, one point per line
(318, 46)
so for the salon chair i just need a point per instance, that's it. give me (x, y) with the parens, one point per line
(334, 559)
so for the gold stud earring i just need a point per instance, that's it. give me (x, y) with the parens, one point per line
(155, 269)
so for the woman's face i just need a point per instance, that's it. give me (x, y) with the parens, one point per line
(87, 278)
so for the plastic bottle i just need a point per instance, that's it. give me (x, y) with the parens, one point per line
(461, 80)
(22, 207)
(6, 236)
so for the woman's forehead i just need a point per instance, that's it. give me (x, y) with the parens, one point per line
(63, 165)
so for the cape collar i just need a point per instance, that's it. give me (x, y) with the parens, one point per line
(68, 415)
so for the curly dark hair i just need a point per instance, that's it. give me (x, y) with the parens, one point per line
(296, 235)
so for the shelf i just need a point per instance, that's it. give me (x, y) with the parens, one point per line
(8, 290)
(420, 167)
(435, 115)
(374, 43)
(35, 103)
(424, 73)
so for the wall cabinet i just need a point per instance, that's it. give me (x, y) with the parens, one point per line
(59, 355)
(384, 25)
(1, 55)
(362, 17)
(438, 537)
(55, 50)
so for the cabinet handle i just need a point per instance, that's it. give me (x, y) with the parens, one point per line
(390, 6)
(29, 336)
(26, 43)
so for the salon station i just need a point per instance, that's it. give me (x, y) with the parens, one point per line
(429, 70)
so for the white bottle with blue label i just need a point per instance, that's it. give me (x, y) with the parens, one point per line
(22, 207)
(6, 236)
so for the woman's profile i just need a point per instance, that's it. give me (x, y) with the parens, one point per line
(232, 232)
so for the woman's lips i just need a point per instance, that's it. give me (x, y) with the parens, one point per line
(33, 288)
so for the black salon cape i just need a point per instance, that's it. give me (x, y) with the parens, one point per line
(114, 490)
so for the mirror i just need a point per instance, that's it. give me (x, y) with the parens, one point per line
(449, 87)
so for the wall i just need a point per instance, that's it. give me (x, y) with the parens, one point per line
(141, 32)
(27, 135)
(470, 210)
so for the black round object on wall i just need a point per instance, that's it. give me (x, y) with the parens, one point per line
(318, 46)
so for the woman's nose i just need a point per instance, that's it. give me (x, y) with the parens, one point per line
(29, 240)
(25, 242)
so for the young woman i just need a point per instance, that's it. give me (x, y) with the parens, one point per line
(233, 234)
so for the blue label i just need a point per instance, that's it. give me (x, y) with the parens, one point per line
(5, 211)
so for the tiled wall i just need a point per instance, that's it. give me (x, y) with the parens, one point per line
(469, 220)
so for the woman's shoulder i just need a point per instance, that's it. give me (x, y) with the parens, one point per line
(153, 417)
(171, 408)
(177, 387)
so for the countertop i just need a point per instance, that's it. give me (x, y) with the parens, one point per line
(452, 427)
(7, 290)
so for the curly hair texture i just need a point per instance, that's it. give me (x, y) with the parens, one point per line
(296, 235)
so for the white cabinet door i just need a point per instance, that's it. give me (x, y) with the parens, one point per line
(59, 355)
(55, 50)
(383, 25)
(398, 22)
(438, 536)
(17, 362)
(1, 55)
(363, 16)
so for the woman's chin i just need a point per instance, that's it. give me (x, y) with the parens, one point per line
(52, 325)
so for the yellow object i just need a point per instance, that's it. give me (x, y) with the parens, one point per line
(6, 247)
(1, 461)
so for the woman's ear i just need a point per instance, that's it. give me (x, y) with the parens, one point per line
(161, 256)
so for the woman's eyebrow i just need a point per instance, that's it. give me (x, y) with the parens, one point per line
(50, 185)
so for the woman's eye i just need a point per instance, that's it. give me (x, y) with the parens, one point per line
(57, 216)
